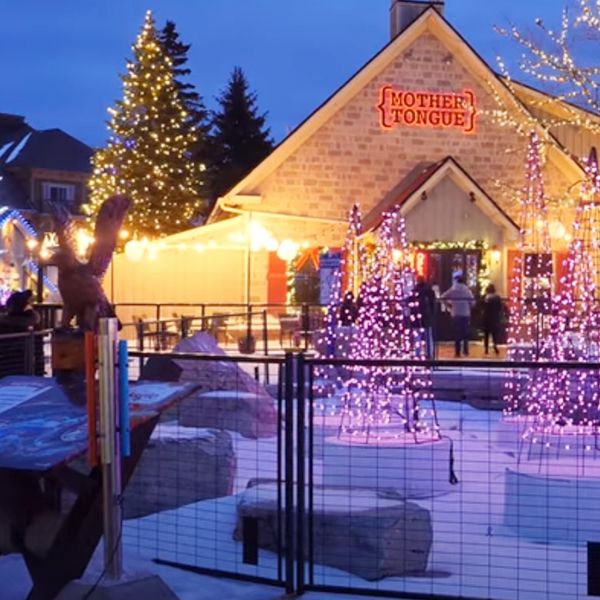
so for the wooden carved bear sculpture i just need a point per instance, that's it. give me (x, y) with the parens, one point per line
(80, 283)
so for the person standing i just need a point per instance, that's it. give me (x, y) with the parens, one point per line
(348, 310)
(460, 300)
(426, 300)
(492, 315)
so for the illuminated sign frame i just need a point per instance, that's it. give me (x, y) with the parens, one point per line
(437, 110)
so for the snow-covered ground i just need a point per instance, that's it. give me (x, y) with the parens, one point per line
(474, 554)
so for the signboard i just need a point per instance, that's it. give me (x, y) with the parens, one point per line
(329, 268)
(427, 109)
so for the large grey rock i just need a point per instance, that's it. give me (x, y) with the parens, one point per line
(258, 414)
(369, 533)
(243, 412)
(481, 389)
(179, 466)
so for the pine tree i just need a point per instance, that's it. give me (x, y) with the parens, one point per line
(240, 138)
(148, 153)
(177, 51)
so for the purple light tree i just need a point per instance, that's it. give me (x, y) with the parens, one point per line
(569, 403)
(385, 403)
(333, 337)
(530, 300)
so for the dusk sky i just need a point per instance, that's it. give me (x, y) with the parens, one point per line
(62, 59)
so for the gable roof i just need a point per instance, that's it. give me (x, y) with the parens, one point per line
(429, 21)
(51, 149)
(539, 99)
(409, 192)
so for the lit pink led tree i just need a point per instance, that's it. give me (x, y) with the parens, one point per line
(569, 402)
(530, 300)
(348, 277)
(383, 402)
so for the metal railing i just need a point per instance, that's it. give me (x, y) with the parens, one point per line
(26, 353)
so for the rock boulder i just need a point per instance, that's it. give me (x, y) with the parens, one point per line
(179, 466)
(258, 414)
(369, 533)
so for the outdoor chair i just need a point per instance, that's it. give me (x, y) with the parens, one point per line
(289, 325)
(218, 327)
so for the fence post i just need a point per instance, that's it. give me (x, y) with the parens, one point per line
(249, 325)
(139, 328)
(30, 353)
(110, 451)
(157, 313)
(203, 317)
(289, 472)
(305, 324)
(300, 467)
(265, 333)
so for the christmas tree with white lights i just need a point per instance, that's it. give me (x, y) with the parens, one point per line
(147, 156)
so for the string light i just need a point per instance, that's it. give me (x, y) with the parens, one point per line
(530, 293)
(379, 402)
(569, 402)
(147, 155)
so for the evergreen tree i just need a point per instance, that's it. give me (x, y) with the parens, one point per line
(240, 138)
(148, 153)
(177, 51)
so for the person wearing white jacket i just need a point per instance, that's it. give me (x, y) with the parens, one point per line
(459, 299)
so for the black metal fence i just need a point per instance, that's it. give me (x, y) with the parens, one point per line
(261, 328)
(416, 485)
(194, 498)
(26, 353)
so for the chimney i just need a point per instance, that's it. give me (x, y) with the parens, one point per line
(404, 12)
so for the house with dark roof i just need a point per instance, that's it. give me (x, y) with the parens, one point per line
(36, 167)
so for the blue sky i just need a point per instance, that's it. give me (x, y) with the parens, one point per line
(62, 58)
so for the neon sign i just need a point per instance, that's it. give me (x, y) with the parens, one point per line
(427, 109)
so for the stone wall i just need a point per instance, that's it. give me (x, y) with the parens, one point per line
(350, 158)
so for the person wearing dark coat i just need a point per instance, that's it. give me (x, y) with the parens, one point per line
(20, 315)
(491, 317)
(426, 302)
(348, 310)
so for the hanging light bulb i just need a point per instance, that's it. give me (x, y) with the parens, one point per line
(287, 250)
(134, 251)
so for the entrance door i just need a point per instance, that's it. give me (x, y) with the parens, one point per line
(442, 267)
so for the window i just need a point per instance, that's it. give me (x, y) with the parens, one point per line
(58, 192)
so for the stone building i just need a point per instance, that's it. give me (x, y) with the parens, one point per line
(424, 124)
